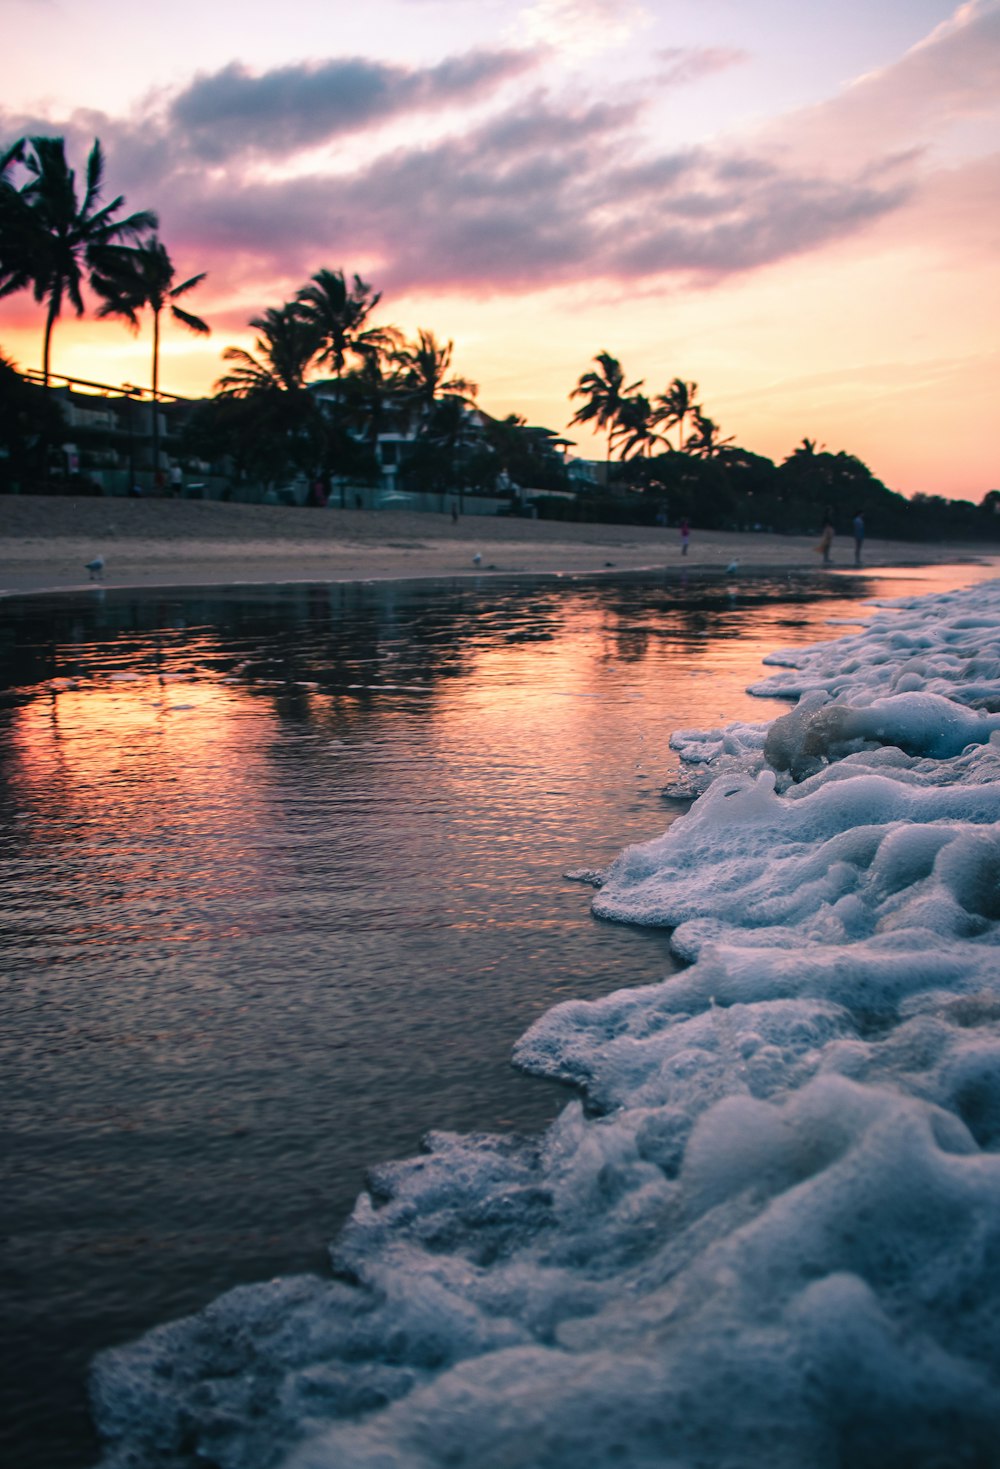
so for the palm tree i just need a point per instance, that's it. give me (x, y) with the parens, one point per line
(606, 392)
(634, 427)
(285, 346)
(705, 439)
(425, 365)
(370, 386)
(69, 233)
(18, 247)
(131, 278)
(278, 425)
(674, 407)
(439, 399)
(336, 314)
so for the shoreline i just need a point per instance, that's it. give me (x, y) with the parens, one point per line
(46, 542)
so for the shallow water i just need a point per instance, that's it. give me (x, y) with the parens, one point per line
(281, 885)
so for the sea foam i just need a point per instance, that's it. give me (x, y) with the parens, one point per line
(768, 1231)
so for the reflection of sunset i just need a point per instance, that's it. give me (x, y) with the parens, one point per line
(136, 798)
(100, 732)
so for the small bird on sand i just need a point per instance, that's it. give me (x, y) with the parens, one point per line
(96, 568)
(477, 559)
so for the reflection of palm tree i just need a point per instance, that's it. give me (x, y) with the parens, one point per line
(606, 392)
(675, 406)
(131, 278)
(70, 233)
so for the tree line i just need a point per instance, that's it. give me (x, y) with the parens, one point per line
(672, 456)
(323, 387)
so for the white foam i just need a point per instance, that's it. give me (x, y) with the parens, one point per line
(769, 1233)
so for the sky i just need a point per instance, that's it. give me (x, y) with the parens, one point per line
(794, 205)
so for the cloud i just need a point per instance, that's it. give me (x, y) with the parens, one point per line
(235, 111)
(582, 27)
(533, 198)
(683, 65)
(950, 77)
(541, 191)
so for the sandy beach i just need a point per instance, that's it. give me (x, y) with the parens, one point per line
(45, 544)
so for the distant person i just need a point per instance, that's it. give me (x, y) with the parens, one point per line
(826, 537)
(317, 493)
(454, 513)
(176, 481)
(685, 536)
(858, 526)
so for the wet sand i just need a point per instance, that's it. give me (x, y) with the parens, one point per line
(45, 544)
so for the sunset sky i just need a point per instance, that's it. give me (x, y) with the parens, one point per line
(793, 204)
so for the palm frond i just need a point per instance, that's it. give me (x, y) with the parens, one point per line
(193, 323)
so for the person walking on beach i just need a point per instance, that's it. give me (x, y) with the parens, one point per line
(685, 536)
(858, 526)
(826, 537)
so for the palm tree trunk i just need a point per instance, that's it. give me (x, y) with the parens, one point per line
(156, 390)
(50, 321)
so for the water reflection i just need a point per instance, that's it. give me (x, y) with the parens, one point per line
(281, 878)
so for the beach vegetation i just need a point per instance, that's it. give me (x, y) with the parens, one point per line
(275, 426)
(673, 407)
(56, 235)
(604, 393)
(16, 225)
(395, 411)
(28, 421)
(336, 313)
(135, 278)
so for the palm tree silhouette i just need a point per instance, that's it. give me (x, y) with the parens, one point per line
(705, 439)
(131, 278)
(18, 232)
(425, 365)
(285, 345)
(370, 387)
(336, 314)
(634, 427)
(282, 421)
(675, 406)
(68, 233)
(605, 389)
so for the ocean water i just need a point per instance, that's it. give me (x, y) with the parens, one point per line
(283, 889)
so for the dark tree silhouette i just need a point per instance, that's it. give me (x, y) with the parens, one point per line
(286, 345)
(605, 391)
(69, 233)
(425, 365)
(675, 406)
(336, 314)
(19, 236)
(132, 279)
